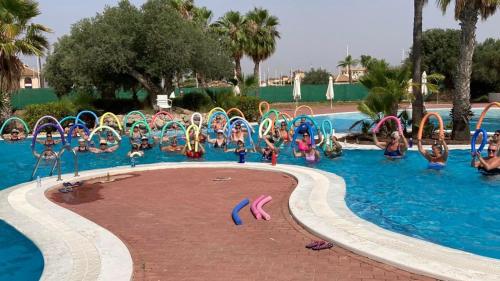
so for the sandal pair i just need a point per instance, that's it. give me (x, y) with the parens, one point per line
(319, 245)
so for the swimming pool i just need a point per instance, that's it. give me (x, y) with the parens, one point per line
(456, 207)
(343, 121)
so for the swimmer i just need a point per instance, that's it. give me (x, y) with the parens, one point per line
(191, 153)
(439, 155)
(134, 150)
(394, 149)
(82, 146)
(489, 163)
(238, 134)
(173, 145)
(303, 144)
(310, 154)
(136, 135)
(269, 150)
(145, 145)
(103, 148)
(283, 132)
(333, 149)
(15, 135)
(241, 151)
(218, 123)
(219, 141)
(110, 139)
(49, 141)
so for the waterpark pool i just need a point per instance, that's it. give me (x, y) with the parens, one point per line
(456, 207)
(343, 121)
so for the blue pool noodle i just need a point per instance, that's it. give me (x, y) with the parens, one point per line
(237, 208)
(483, 142)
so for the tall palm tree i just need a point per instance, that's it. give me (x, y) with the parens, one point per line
(347, 63)
(203, 17)
(262, 33)
(232, 26)
(18, 36)
(418, 103)
(468, 13)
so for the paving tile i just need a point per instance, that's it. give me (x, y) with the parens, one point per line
(177, 226)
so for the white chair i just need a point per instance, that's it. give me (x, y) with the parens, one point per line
(163, 102)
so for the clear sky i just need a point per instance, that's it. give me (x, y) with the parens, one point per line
(313, 33)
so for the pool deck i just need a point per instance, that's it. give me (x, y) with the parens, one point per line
(175, 224)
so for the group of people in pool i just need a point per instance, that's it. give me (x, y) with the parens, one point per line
(304, 145)
(397, 146)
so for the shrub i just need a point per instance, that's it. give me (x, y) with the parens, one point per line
(58, 109)
(194, 101)
(249, 106)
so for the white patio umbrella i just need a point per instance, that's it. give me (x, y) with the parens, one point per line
(425, 90)
(236, 90)
(172, 95)
(329, 92)
(296, 89)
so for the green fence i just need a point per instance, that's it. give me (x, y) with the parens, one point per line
(314, 93)
(310, 93)
(25, 97)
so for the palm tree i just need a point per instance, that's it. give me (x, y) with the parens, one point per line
(347, 63)
(365, 60)
(418, 103)
(18, 36)
(203, 17)
(262, 32)
(468, 13)
(232, 26)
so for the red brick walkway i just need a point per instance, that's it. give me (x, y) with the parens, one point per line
(177, 226)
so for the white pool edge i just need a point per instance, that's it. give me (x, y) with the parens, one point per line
(75, 248)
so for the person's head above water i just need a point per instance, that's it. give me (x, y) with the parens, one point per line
(395, 136)
(144, 140)
(14, 132)
(81, 142)
(493, 150)
(437, 149)
(220, 133)
(103, 144)
(240, 143)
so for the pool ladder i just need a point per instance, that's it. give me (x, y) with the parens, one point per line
(57, 163)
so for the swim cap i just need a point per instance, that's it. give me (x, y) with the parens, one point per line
(220, 131)
(81, 140)
(144, 138)
(15, 131)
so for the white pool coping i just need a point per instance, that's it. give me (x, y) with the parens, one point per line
(75, 248)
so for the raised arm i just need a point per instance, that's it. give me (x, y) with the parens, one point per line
(423, 151)
(405, 146)
(445, 150)
(380, 145)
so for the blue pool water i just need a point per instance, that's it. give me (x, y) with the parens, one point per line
(456, 207)
(343, 121)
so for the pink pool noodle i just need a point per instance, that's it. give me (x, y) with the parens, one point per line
(387, 118)
(261, 203)
(253, 207)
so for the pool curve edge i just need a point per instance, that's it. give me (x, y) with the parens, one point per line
(75, 248)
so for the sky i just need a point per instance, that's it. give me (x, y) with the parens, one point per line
(314, 33)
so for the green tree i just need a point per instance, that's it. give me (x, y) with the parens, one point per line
(418, 103)
(486, 68)
(262, 33)
(365, 60)
(316, 76)
(440, 49)
(130, 47)
(232, 26)
(348, 63)
(18, 36)
(388, 86)
(468, 13)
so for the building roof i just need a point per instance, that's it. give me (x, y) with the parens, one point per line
(29, 72)
(342, 79)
